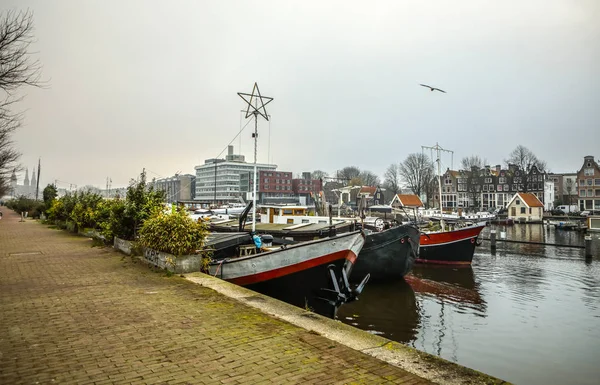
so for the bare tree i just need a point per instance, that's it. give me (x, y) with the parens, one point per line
(392, 179)
(524, 158)
(416, 170)
(471, 170)
(349, 172)
(17, 69)
(318, 174)
(369, 178)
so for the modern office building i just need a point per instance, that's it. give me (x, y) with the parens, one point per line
(218, 180)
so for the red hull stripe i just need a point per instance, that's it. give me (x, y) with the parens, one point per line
(442, 262)
(450, 236)
(286, 270)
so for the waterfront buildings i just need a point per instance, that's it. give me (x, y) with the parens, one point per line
(177, 188)
(218, 180)
(589, 184)
(525, 207)
(487, 187)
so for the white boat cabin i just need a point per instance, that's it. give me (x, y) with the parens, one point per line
(291, 215)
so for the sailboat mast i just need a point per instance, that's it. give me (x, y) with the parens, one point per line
(254, 183)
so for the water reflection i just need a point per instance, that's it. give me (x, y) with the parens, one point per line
(527, 313)
(388, 309)
(456, 285)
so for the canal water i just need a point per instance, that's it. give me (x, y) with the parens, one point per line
(529, 314)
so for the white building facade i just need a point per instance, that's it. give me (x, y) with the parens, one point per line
(218, 180)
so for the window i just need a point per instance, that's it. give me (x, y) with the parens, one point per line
(589, 182)
(502, 180)
(499, 188)
(447, 180)
(488, 180)
(530, 210)
(514, 187)
(485, 187)
(582, 193)
(506, 187)
(266, 187)
(597, 192)
(588, 171)
(517, 202)
(522, 210)
(462, 187)
(590, 193)
(517, 179)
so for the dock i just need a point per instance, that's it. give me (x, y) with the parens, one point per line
(77, 314)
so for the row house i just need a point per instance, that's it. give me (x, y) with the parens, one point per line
(281, 187)
(565, 188)
(589, 184)
(490, 187)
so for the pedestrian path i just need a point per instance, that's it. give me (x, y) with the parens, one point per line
(71, 313)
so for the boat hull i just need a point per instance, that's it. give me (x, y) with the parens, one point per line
(449, 247)
(389, 254)
(297, 274)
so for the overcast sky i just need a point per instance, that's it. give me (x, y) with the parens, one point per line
(136, 84)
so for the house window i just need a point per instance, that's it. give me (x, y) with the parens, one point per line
(597, 192)
(530, 210)
(589, 182)
(506, 187)
(485, 187)
(522, 210)
(499, 188)
(447, 181)
(588, 171)
(590, 193)
(266, 180)
(502, 180)
(518, 202)
(266, 187)
(582, 193)
(514, 187)
(488, 180)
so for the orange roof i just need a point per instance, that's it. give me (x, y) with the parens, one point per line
(367, 190)
(530, 200)
(409, 200)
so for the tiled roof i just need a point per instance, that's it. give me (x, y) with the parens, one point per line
(530, 200)
(367, 190)
(409, 200)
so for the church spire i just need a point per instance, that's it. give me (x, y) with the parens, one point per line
(26, 180)
(33, 179)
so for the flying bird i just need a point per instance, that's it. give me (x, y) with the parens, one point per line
(432, 88)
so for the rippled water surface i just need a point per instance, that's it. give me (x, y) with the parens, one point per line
(529, 314)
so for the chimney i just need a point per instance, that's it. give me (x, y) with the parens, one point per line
(229, 150)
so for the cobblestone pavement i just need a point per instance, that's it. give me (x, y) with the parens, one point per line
(73, 313)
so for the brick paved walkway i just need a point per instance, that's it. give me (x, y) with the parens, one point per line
(71, 313)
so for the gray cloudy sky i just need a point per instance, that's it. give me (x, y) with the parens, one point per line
(153, 84)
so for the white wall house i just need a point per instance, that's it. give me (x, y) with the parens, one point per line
(525, 207)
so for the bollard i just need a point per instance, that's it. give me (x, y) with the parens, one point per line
(588, 246)
(493, 239)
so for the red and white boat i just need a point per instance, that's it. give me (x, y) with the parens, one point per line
(452, 247)
(312, 274)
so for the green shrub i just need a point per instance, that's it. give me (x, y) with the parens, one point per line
(175, 233)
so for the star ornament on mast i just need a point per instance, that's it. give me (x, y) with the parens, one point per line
(255, 97)
(254, 109)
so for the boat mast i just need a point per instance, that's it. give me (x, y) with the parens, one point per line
(438, 149)
(255, 110)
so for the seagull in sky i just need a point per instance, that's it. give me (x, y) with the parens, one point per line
(432, 88)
